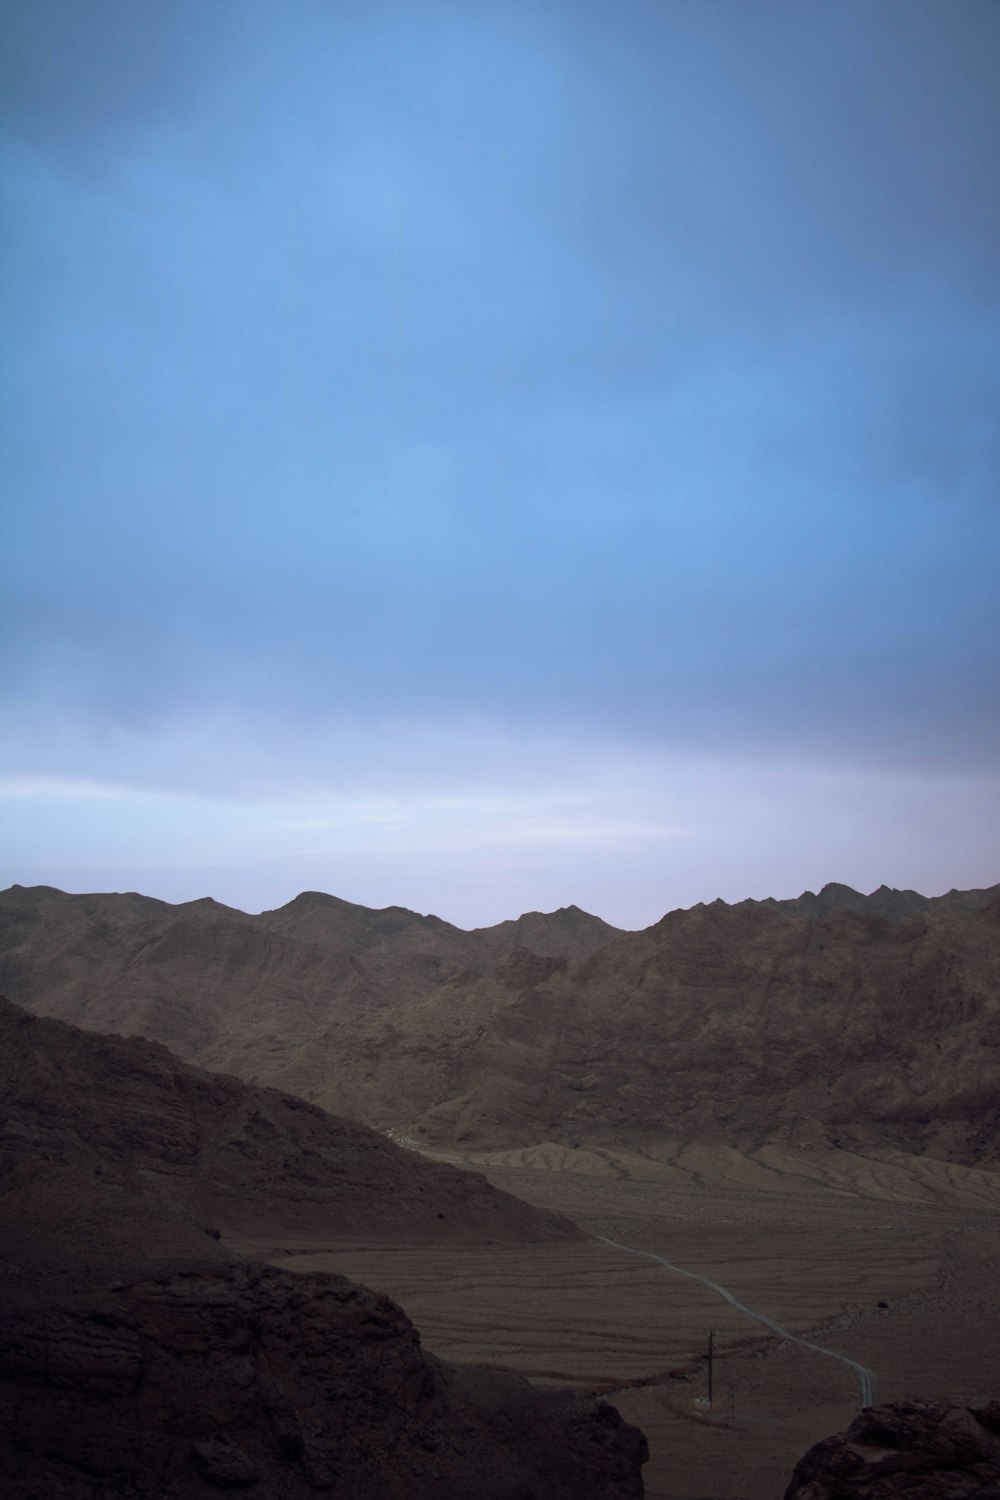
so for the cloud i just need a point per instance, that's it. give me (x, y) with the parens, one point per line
(76, 80)
(766, 551)
(409, 402)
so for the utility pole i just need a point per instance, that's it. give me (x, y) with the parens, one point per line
(730, 1395)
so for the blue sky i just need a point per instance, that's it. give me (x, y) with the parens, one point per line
(487, 457)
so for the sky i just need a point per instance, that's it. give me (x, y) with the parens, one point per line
(484, 457)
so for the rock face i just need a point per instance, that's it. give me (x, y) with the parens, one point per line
(185, 1380)
(127, 1121)
(263, 997)
(827, 1025)
(910, 1451)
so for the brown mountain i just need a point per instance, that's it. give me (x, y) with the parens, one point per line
(567, 933)
(138, 1357)
(743, 1022)
(153, 957)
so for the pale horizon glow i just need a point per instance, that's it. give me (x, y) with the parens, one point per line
(625, 835)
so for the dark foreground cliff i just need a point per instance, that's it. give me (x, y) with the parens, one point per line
(181, 1380)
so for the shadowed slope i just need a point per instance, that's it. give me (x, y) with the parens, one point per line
(130, 1121)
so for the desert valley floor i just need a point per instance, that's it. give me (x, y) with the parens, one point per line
(815, 1241)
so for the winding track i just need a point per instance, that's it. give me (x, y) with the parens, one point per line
(866, 1379)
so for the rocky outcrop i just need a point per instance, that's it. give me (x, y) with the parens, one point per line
(910, 1451)
(185, 1380)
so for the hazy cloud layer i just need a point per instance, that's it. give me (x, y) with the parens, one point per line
(475, 827)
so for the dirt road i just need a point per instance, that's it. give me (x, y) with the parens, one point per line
(866, 1379)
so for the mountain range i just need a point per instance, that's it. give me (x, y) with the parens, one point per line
(836, 1019)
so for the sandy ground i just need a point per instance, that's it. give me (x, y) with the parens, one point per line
(815, 1241)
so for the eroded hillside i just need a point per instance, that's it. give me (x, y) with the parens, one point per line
(745, 1022)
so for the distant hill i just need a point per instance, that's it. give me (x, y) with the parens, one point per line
(857, 1026)
(164, 969)
(567, 933)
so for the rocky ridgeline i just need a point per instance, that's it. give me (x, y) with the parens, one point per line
(885, 902)
(867, 1022)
